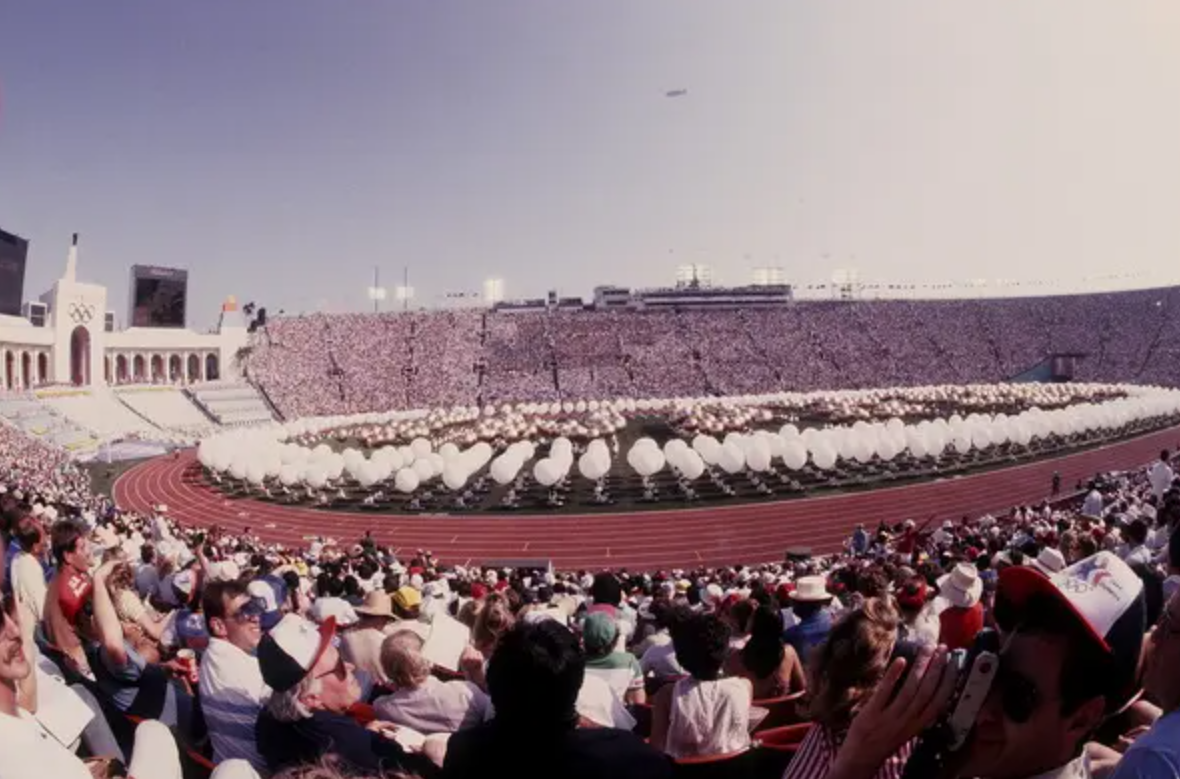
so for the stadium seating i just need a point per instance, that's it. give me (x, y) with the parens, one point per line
(233, 403)
(341, 364)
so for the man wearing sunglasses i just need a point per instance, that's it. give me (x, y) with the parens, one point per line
(232, 688)
(1156, 754)
(1071, 646)
(307, 715)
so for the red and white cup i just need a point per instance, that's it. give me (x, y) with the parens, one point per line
(188, 658)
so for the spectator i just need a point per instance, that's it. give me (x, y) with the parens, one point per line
(419, 700)
(1071, 650)
(773, 669)
(809, 603)
(128, 665)
(1156, 754)
(962, 589)
(231, 684)
(659, 661)
(618, 669)
(842, 674)
(306, 716)
(28, 575)
(705, 714)
(361, 643)
(68, 593)
(534, 678)
(1161, 475)
(919, 623)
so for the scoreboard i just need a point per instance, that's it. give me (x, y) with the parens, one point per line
(159, 296)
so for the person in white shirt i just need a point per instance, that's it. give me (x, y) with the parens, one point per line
(1092, 505)
(1161, 475)
(421, 701)
(28, 577)
(232, 689)
(29, 752)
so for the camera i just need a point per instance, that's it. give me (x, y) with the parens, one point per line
(975, 671)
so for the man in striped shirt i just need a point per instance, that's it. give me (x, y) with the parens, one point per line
(232, 689)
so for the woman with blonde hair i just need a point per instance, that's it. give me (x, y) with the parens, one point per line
(492, 621)
(843, 672)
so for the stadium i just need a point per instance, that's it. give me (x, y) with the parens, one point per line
(830, 429)
(517, 433)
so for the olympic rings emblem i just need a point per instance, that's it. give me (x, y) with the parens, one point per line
(82, 313)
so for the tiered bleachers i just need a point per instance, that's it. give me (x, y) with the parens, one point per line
(326, 364)
(100, 412)
(233, 403)
(24, 412)
(168, 408)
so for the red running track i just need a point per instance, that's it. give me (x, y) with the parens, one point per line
(646, 540)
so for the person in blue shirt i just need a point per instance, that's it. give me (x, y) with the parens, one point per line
(809, 602)
(1156, 754)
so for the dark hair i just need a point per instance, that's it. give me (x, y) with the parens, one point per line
(352, 587)
(215, 596)
(741, 612)
(1174, 549)
(1137, 531)
(534, 676)
(64, 538)
(701, 643)
(147, 554)
(27, 532)
(763, 653)
(606, 589)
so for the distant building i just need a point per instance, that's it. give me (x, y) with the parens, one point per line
(14, 253)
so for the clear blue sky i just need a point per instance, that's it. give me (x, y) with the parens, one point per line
(278, 149)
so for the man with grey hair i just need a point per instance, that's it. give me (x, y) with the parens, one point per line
(420, 700)
(307, 716)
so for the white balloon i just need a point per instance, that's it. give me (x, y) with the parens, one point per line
(794, 455)
(824, 457)
(454, 476)
(421, 447)
(424, 467)
(758, 458)
(732, 458)
(546, 472)
(691, 465)
(406, 480)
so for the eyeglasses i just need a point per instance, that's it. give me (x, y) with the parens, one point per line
(249, 612)
(1019, 695)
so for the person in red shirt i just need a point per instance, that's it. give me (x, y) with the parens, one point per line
(69, 591)
(963, 618)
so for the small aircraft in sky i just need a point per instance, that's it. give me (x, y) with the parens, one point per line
(676, 93)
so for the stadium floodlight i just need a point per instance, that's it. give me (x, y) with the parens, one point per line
(376, 294)
(404, 293)
(694, 275)
(768, 277)
(493, 291)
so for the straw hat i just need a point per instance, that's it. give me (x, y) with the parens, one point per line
(811, 589)
(962, 587)
(1049, 561)
(377, 604)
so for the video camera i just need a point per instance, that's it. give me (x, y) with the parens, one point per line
(976, 670)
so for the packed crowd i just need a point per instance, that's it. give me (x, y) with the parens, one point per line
(132, 646)
(339, 364)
